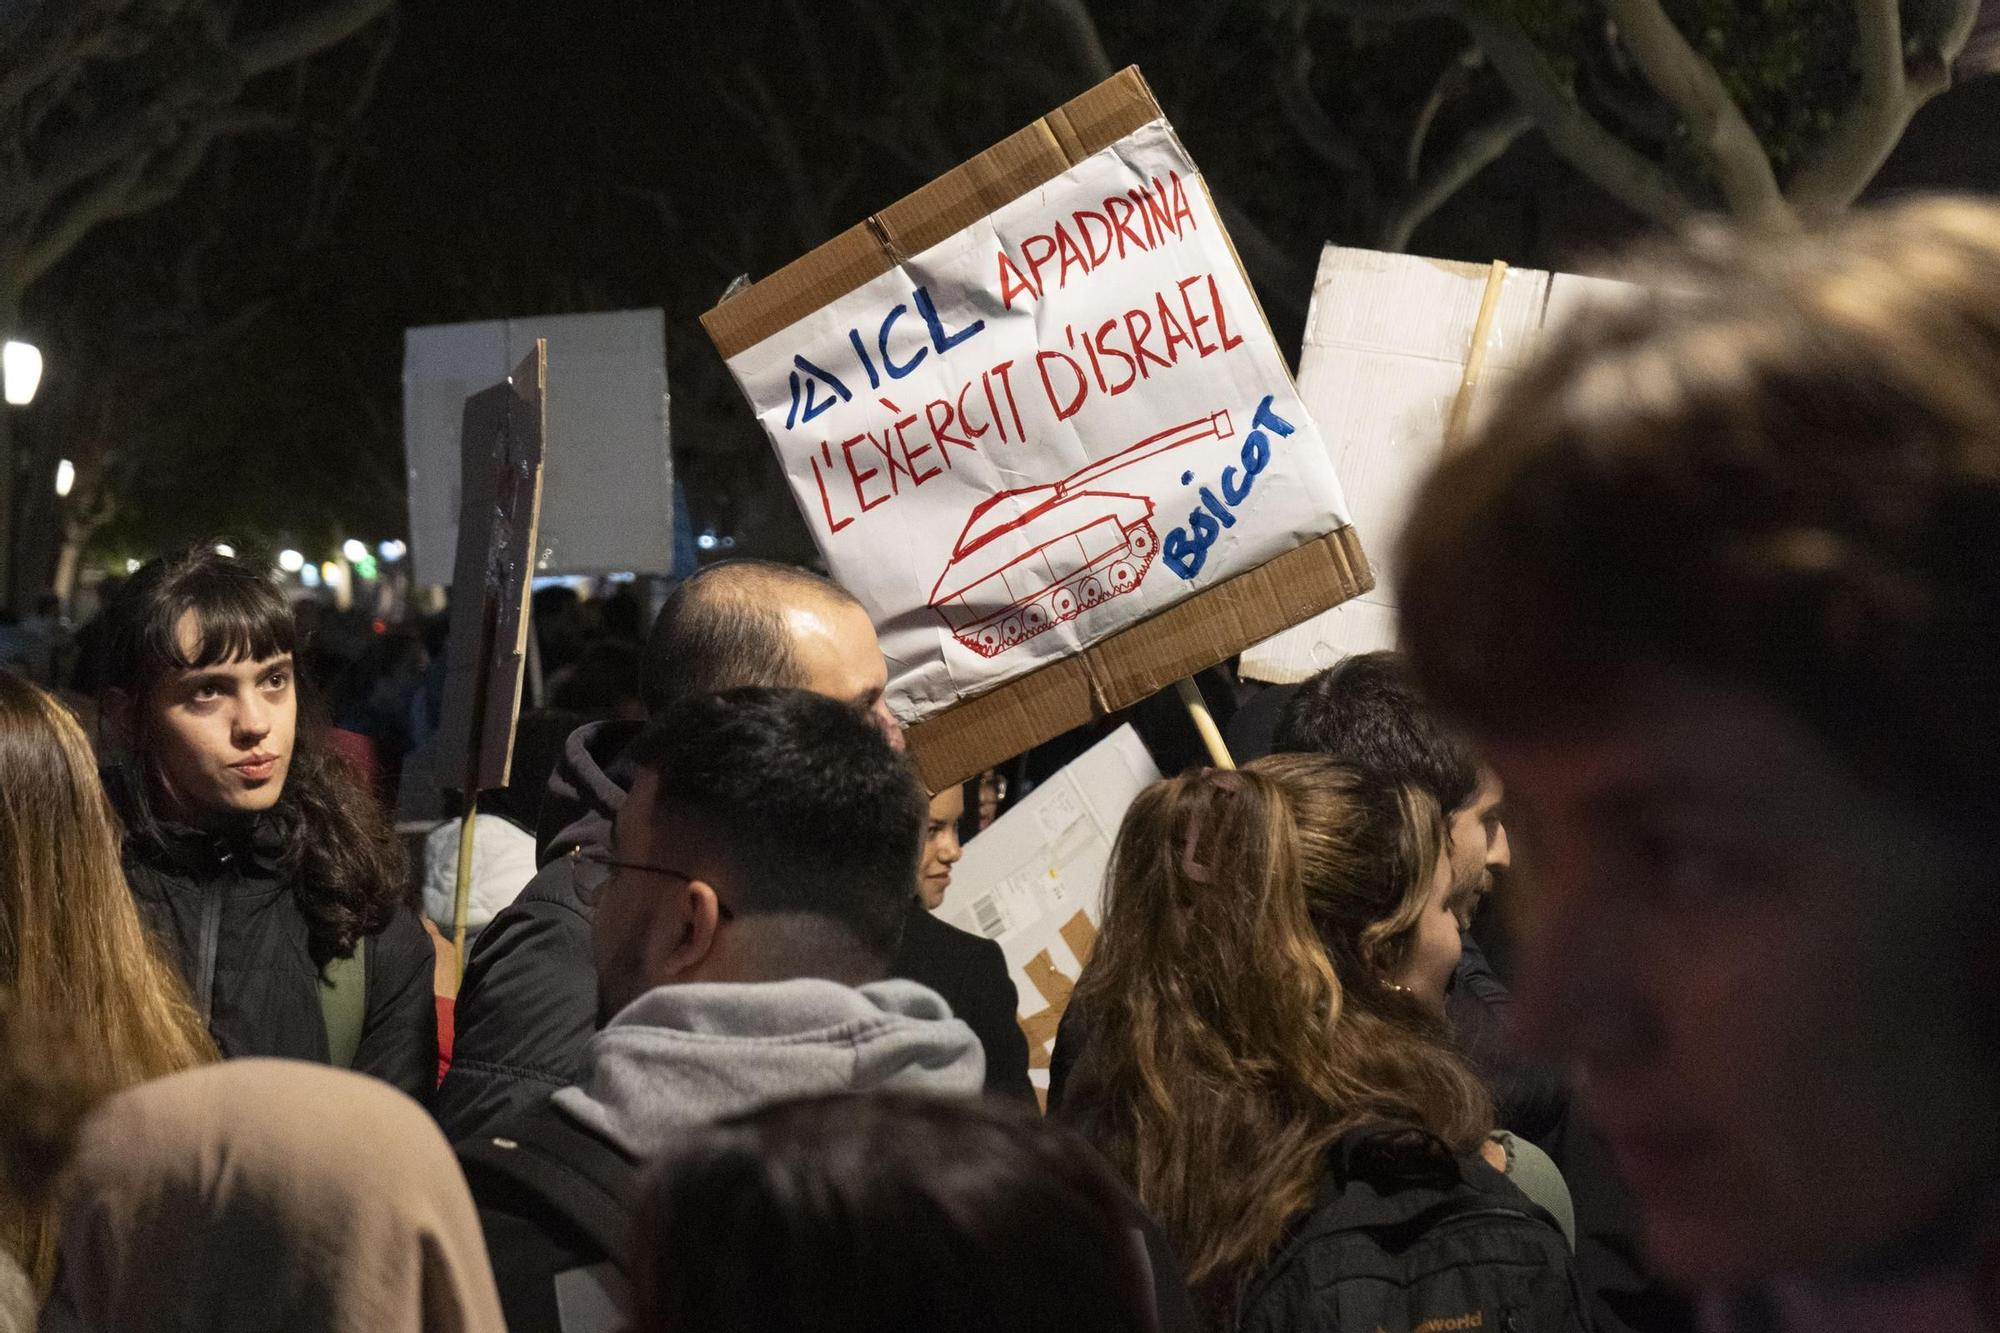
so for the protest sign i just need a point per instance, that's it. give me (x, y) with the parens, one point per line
(1034, 881)
(1388, 340)
(1038, 425)
(504, 433)
(607, 500)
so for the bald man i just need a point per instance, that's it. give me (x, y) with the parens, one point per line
(529, 1000)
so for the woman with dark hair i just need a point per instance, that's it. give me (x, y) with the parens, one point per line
(90, 1005)
(273, 879)
(1716, 587)
(892, 1213)
(1267, 993)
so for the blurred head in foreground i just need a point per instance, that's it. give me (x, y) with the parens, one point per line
(893, 1213)
(1717, 589)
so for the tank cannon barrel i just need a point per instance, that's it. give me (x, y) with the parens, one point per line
(1214, 426)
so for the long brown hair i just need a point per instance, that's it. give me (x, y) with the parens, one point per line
(346, 869)
(1240, 1016)
(83, 975)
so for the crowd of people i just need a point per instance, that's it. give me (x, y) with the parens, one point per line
(1617, 955)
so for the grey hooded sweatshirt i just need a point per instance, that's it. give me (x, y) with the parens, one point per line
(676, 1058)
(687, 1055)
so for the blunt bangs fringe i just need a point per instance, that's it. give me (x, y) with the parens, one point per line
(239, 615)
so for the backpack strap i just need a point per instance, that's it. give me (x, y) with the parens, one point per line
(545, 1166)
(343, 1004)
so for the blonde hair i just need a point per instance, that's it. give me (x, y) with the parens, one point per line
(83, 975)
(1240, 1016)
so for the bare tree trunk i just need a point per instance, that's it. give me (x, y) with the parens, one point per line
(66, 563)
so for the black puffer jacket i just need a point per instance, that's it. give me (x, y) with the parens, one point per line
(218, 897)
(529, 999)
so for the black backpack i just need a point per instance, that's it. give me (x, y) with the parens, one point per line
(553, 1198)
(1406, 1238)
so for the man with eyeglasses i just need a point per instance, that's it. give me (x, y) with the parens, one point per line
(530, 999)
(747, 909)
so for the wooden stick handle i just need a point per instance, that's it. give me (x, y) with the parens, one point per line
(1211, 735)
(1475, 359)
(461, 897)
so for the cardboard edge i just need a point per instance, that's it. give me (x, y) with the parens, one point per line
(1117, 672)
(1030, 157)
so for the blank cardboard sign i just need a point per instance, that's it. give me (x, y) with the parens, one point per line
(1387, 339)
(607, 494)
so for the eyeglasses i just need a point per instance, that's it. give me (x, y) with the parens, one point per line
(589, 893)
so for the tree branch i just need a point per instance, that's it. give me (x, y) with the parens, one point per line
(47, 45)
(1449, 82)
(1480, 148)
(1080, 34)
(1714, 121)
(1394, 11)
(1848, 158)
(1619, 169)
(143, 182)
(1309, 118)
(293, 42)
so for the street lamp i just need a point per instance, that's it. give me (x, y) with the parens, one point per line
(291, 561)
(65, 478)
(353, 550)
(21, 371)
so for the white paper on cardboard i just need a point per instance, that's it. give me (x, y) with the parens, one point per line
(1387, 337)
(1056, 422)
(1034, 881)
(607, 491)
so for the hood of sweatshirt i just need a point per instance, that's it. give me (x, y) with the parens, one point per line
(680, 1056)
(585, 790)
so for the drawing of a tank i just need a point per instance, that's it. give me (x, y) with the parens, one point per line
(1032, 557)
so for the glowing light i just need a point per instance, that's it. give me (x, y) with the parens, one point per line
(131, 566)
(20, 372)
(333, 575)
(353, 550)
(65, 477)
(309, 575)
(225, 550)
(291, 561)
(392, 550)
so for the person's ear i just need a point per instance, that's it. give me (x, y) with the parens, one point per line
(692, 932)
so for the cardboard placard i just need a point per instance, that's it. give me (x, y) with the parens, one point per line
(1038, 425)
(607, 498)
(1034, 881)
(1386, 345)
(505, 429)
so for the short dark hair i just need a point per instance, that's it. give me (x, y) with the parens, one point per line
(1367, 712)
(892, 1213)
(815, 812)
(725, 628)
(1779, 473)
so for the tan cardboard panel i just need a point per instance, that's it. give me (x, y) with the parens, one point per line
(1207, 628)
(1087, 124)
